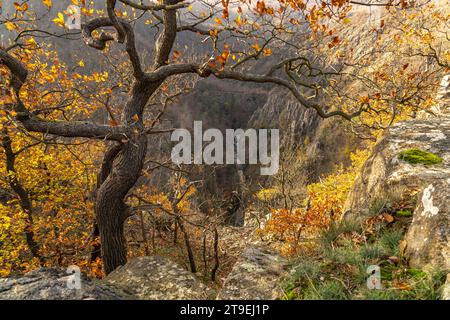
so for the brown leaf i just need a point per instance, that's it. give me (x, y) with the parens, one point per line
(388, 218)
(402, 247)
(394, 259)
(113, 123)
(402, 286)
(176, 55)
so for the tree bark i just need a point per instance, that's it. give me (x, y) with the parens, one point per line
(111, 210)
(105, 170)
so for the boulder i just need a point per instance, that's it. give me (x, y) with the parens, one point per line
(157, 278)
(255, 276)
(52, 284)
(428, 237)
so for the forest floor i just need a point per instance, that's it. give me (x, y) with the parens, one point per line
(338, 265)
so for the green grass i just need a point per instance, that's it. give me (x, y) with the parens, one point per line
(390, 240)
(337, 268)
(418, 156)
(337, 229)
(327, 290)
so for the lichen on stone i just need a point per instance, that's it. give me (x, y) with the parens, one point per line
(418, 156)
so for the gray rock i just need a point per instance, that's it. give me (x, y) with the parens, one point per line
(255, 276)
(446, 290)
(385, 174)
(157, 278)
(427, 238)
(51, 284)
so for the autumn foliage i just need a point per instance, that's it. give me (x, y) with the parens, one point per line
(323, 206)
(51, 184)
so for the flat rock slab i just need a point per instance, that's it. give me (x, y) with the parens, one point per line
(255, 276)
(51, 284)
(157, 278)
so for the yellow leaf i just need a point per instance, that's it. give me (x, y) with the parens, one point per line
(256, 47)
(10, 26)
(48, 3)
(267, 52)
(59, 20)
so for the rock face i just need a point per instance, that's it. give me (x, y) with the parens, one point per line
(324, 143)
(428, 237)
(385, 174)
(255, 276)
(384, 171)
(157, 278)
(51, 284)
(282, 111)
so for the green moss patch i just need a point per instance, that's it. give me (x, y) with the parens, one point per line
(417, 156)
(404, 213)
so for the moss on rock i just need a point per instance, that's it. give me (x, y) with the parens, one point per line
(404, 213)
(418, 156)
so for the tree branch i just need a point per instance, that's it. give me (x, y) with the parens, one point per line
(156, 7)
(101, 42)
(61, 128)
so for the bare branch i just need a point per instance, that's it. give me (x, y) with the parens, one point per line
(100, 43)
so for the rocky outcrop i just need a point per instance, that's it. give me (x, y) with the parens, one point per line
(385, 170)
(52, 284)
(385, 173)
(413, 158)
(255, 276)
(143, 278)
(427, 239)
(157, 278)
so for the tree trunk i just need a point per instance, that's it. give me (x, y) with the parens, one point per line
(105, 170)
(111, 210)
